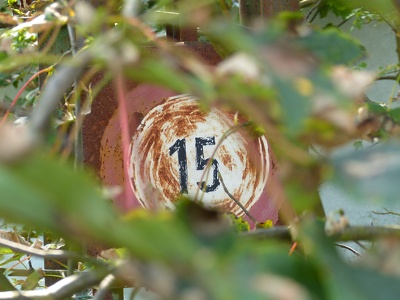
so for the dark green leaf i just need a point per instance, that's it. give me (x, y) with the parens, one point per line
(5, 285)
(376, 108)
(395, 115)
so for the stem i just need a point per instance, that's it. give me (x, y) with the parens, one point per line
(393, 91)
(236, 201)
(387, 212)
(314, 8)
(47, 70)
(388, 77)
(307, 3)
(348, 248)
(124, 124)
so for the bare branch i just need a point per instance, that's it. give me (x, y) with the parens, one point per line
(387, 212)
(63, 289)
(49, 254)
(104, 287)
(388, 77)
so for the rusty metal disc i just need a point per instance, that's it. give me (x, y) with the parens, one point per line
(181, 149)
(246, 168)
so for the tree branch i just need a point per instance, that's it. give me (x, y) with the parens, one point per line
(49, 254)
(388, 77)
(63, 289)
(352, 233)
(276, 232)
(387, 212)
(104, 287)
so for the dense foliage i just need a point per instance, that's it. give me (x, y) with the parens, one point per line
(300, 86)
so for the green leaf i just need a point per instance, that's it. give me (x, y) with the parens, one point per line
(376, 108)
(332, 46)
(358, 145)
(5, 285)
(370, 173)
(32, 281)
(15, 257)
(382, 7)
(49, 194)
(4, 251)
(345, 281)
(395, 114)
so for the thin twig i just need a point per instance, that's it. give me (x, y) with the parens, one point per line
(236, 201)
(360, 245)
(343, 22)
(314, 8)
(348, 248)
(388, 77)
(388, 212)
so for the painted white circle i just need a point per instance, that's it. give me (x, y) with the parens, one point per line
(178, 146)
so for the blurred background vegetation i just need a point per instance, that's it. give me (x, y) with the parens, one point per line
(300, 85)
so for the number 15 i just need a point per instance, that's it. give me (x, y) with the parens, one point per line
(180, 147)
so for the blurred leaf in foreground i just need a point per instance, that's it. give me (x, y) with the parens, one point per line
(370, 173)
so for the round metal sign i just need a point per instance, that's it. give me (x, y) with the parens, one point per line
(181, 149)
(185, 154)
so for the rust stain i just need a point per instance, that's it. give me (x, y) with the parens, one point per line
(181, 118)
(103, 152)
